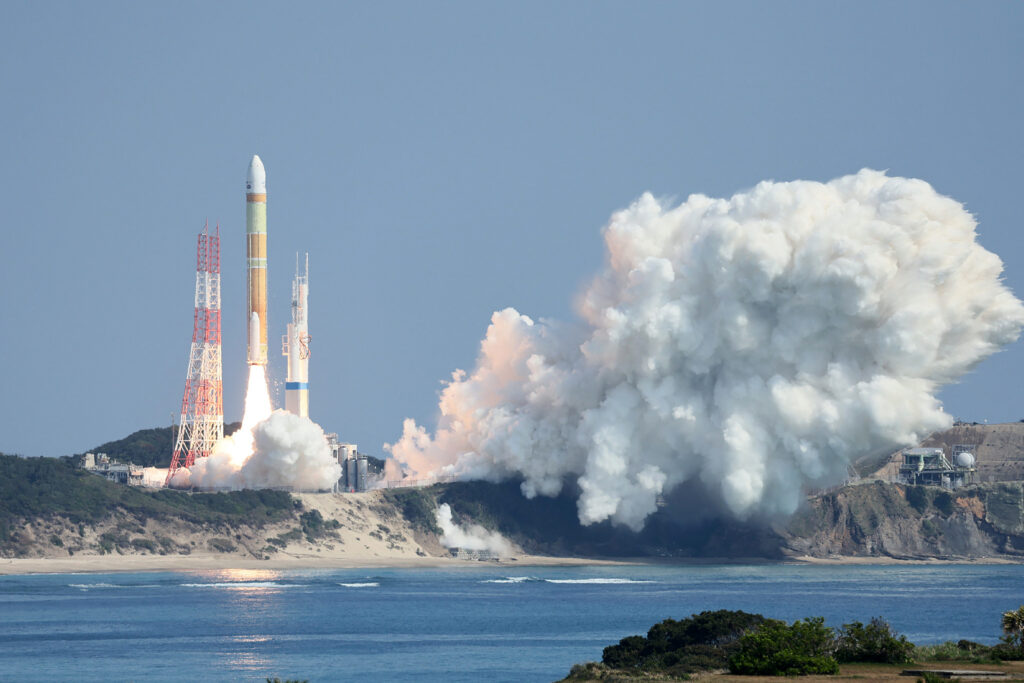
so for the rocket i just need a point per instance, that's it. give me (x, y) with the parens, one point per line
(256, 261)
(295, 346)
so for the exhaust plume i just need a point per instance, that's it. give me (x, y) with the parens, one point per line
(471, 537)
(753, 345)
(273, 449)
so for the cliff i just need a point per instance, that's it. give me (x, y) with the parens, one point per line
(888, 520)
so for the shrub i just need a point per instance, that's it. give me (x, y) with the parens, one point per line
(222, 545)
(701, 642)
(144, 544)
(876, 642)
(917, 496)
(775, 649)
(418, 507)
(943, 503)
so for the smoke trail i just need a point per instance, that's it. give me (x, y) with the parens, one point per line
(751, 345)
(472, 537)
(272, 449)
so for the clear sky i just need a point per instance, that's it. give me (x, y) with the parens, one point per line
(439, 161)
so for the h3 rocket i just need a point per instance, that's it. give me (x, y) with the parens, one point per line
(256, 261)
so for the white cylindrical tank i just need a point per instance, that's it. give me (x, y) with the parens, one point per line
(361, 474)
(965, 459)
(350, 472)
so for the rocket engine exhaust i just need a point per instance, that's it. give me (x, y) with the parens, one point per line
(254, 339)
(751, 346)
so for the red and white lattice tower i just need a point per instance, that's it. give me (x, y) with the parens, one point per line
(202, 408)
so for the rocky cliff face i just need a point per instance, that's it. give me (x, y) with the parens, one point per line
(888, 520)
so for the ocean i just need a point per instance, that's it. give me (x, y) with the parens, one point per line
(474, 624)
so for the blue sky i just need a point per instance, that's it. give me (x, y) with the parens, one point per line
(439, 161)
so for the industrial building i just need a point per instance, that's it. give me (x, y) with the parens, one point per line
(930, 467)
(119, 473)
(355, 470)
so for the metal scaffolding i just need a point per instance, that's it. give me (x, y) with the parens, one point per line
(202, 407)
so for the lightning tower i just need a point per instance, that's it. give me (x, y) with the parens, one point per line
(295, 345)
(202, 407)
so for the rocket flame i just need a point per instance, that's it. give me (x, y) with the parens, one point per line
(273, 448)
(239, 446)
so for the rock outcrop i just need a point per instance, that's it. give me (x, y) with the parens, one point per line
(879, 519)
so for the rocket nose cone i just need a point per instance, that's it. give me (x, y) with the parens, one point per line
(256, 181)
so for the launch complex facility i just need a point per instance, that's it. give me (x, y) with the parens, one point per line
(202, 406)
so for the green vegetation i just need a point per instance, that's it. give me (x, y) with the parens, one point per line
(1013, 628)
(49, 488)
(222, 545)
(750, 644)
(418, 506)
(918, 497)
(876, 642)
(313, 526)
(148, 447)
(777, 649)
(701, 642)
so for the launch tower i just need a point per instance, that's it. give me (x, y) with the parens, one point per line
(295, 345)
(202, 407)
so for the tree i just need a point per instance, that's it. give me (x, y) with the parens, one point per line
(1013, 626)
(775, 649)
(698, 643)
(876, 642)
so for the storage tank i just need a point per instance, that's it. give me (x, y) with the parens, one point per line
(350, 478)
(361, 470)
(965, 459)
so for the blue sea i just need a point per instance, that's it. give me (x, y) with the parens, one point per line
(473, 624)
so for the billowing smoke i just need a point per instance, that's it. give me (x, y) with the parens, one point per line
(752, 346)
(471, 537)
(287, 451)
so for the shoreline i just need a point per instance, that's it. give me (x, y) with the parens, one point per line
(107, 564)
(110, 564)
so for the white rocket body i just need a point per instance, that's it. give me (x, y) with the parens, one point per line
(296, 347)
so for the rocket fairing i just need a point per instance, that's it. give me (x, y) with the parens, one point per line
(256, 261)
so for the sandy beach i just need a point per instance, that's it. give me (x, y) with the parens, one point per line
(370, 535)
(96, 564)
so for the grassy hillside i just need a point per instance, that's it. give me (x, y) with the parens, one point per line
(148, 447)
(45, 488)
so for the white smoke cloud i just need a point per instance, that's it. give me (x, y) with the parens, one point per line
(288, 451)
(471, 537)
(753, 345)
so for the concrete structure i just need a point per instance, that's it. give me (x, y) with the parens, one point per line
(295, 346)
(256, 260)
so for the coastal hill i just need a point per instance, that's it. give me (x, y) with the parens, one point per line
(50, 508)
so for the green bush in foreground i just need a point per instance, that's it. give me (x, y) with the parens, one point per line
(875, 642)
(775, 649)
(701, 642)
